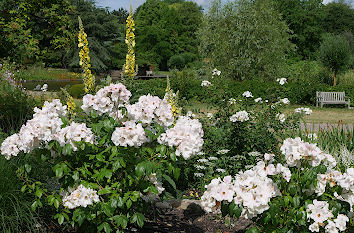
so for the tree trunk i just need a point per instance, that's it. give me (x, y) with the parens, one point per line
(335, 78)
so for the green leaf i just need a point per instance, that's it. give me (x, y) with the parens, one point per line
(114, 151)
(39, 192)
(104, 191)
(134, 196)
(67, 149)
(163, 150)
(56, 203)
(107, 228)
(121, 220)
(224, 209)
(23, 189)
(60, 219)
(296, 201)
(108, 210)
(129, 203)
(173, 156)
(28, 168)
(150, 134)
(140, 169)
(235, 210)
(120, 202)
(252, 230)
(34, 205)
(76, 176)
(58, 171)
(169, 180)
(286, 201)
(138, 218)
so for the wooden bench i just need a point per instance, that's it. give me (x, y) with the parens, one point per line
(331, 98)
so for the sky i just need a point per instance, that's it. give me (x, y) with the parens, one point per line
(116, 4)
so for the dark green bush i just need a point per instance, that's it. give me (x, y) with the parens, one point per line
(16, 107)
(176, 62)
(77, 91)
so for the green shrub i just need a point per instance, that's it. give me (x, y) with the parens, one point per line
(176, 62)
(346, 78)
(335, 54)
(15, 107)
(77, 91)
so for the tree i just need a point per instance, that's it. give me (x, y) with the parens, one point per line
(103, 31)
(245, 39)
(165, 28)
(335, 54)
(35, 29)
(339, 18)
(122, 15)
(304, 18)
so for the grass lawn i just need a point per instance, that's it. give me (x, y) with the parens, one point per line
(39, 73)
(331, 115)
(328, 114)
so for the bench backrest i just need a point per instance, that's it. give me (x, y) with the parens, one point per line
(331, 96)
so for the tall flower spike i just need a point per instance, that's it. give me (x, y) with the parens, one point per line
(130, 41)
(88, 78)
(70, 103)
(172, 98)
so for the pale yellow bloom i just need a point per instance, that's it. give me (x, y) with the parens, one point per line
(88, 78)
(129, 66)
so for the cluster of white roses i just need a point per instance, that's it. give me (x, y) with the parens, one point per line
(44, 127)
(149, 108)
(186, 135)
(107, 100)
(132, 134)
(46, 124)
(81, 196)
(75, 132)
(319, 212)
(251, 189)
(241, 116)
(302, 110)
(296, 150)
(333, 178)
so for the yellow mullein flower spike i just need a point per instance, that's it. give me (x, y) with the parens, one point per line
(88, 78)
(172, 98)
(70, 103)
(129, 66)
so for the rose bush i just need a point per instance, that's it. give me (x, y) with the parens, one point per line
(297, 190)
(238, 129)
(105, 160)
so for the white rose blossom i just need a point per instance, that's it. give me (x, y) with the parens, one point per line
(281, 81)
(81, 196)
(241, 116)
(247, 94)
(206, 83)
(306, 111)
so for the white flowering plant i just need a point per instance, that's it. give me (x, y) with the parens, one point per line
(298, 189)
(108, 161)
